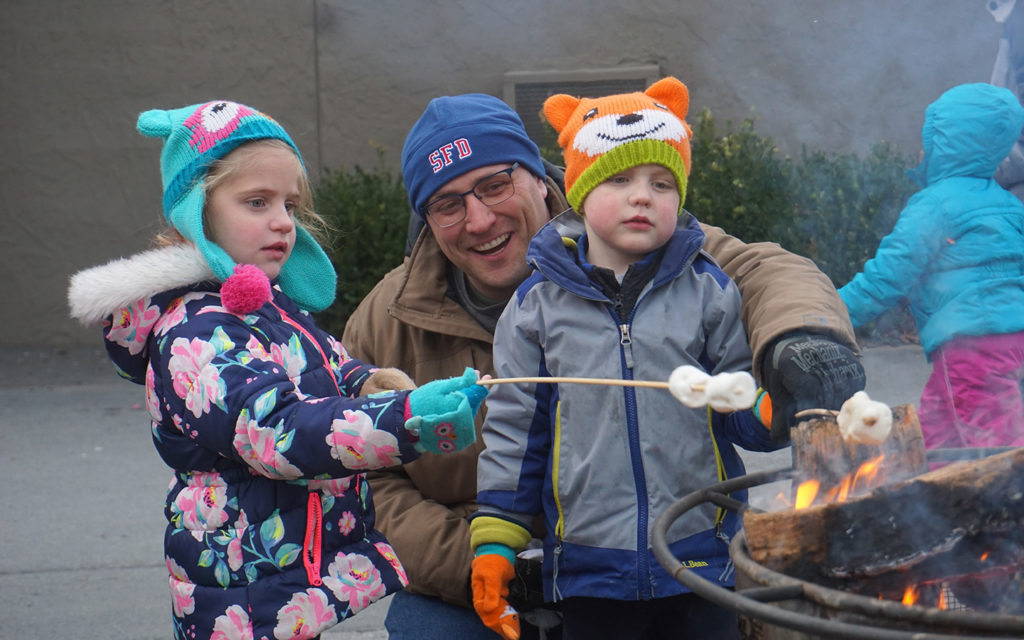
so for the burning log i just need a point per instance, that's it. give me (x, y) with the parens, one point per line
(822, 455)
(965, 519)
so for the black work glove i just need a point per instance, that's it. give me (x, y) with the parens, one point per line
(526, 590)
(808, 371)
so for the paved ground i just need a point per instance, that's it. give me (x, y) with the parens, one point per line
(82, 492)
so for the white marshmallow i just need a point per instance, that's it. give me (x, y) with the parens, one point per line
(863, 420)
(682, 382)
(728, 392)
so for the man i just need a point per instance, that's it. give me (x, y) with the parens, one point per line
(435, 314)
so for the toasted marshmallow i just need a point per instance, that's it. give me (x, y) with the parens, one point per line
(863, 420)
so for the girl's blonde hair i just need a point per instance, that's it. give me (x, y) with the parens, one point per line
(224, 168)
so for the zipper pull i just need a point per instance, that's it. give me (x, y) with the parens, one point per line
(626, 341)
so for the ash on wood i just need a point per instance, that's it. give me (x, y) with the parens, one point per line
(965, 518)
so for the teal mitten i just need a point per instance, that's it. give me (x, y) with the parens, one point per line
(441, 413)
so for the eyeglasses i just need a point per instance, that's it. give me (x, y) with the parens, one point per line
(450, 210)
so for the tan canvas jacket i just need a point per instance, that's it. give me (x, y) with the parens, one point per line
(408, 322)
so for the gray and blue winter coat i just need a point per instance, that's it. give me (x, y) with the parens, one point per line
(599, 463)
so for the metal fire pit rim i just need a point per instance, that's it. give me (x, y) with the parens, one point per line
(856, 603)
(787, 587)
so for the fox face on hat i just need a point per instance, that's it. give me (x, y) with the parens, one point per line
(601, 137)
(197, 136)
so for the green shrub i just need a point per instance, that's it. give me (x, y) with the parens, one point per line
(844, 205)
(368, 212)
(737, 181)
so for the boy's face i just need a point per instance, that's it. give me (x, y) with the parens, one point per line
(629, 215)
(251, 214)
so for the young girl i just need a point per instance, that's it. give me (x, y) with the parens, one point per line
(957, 254)
(264, 418)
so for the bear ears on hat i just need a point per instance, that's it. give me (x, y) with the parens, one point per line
(670, 92)
(155, 123)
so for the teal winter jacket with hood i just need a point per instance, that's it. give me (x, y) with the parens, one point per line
(957, 251)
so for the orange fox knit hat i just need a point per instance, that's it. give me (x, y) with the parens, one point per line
(601, 137)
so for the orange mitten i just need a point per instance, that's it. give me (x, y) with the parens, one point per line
(491, 575)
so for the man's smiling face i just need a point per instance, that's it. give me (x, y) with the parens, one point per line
(489, 246)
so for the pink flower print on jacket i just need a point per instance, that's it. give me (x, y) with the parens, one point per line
(290, 356)
(175, 312)
(152, 397)
(233, 624)
(352, 578)
(358, 445)
(131, 325)
(200, 505)
(234, 548)
(213, 122)
(389, 554)
(196, 380)
(305, 616)
(346, 523)
(261, 447)
(182, 601)
(341, 356)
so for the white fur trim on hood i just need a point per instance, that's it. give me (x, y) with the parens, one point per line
(98, 292)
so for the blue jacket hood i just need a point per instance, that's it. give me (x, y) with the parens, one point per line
(967, 132)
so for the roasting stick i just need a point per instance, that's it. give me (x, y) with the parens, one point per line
(691, 386)
(652, 384)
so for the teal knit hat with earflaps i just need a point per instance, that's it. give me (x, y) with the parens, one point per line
(194, 138)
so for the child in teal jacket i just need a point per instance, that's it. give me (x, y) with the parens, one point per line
(957, 254)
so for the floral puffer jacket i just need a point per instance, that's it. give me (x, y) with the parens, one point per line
(270, 521)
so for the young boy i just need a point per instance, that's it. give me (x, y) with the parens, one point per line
(621, 291)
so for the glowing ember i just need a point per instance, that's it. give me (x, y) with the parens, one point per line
(984, 556)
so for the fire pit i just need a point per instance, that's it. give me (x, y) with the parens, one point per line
(799, 603)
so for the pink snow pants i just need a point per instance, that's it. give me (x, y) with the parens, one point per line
(973, 397)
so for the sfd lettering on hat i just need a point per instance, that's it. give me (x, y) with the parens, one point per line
(442, 156)
(438, 148)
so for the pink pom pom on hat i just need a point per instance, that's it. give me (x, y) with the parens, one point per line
(245, 290)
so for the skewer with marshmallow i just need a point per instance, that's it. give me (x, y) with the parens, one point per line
(863, 420)
(725, 392)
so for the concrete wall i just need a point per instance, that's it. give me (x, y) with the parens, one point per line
(79, 186)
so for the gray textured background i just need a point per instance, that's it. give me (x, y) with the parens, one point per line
(79, 186)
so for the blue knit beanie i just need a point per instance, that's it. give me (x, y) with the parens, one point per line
(457, 134)
(194, 138)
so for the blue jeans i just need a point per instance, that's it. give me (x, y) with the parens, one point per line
(415, 617)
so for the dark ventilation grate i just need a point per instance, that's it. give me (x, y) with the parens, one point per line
(530, 97)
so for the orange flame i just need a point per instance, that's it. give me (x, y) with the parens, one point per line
(865, 477)
(943, 603)
(911, 595)
(868, 472)
(806, 493)
(984, 556)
